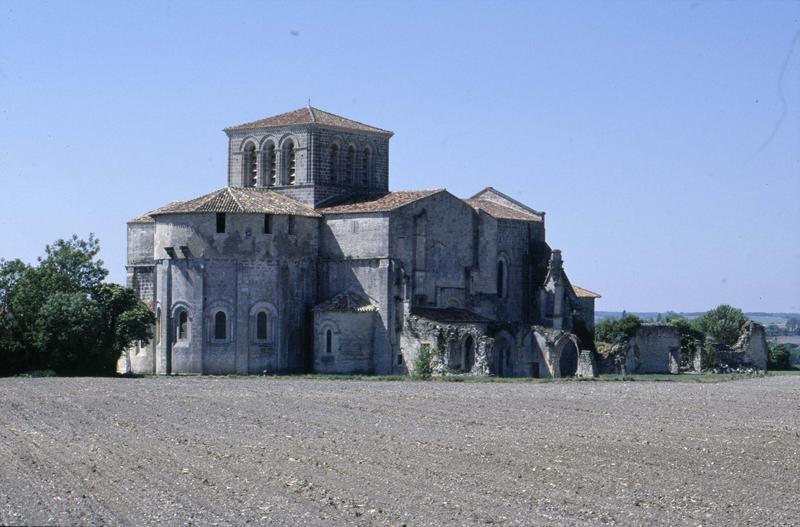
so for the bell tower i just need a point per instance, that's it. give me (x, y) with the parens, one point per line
(309, 155)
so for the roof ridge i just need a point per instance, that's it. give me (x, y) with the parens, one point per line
(235, 199)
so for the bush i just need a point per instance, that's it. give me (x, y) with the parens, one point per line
(779, 357)
(617, 331)
(724, 323)
(422, 364)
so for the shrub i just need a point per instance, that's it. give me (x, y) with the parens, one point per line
(422, 364)
(617, 331)
(779, 357)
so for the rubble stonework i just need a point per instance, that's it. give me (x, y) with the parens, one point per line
(587, 366)
(306, 261)
(748, 354)
(655, 348)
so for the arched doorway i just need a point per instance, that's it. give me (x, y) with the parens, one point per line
(469, 354)
(503, 356)
(568, 361)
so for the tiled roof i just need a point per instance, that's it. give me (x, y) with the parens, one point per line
(448, 315)
(383, 202)
(144, 218)
(349, 301)
(584, 293)
(310, 115)
(502, 212)
(240, 200)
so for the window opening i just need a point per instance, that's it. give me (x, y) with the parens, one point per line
(250, 165)
(261, 326)
(183, 325)
(220, 326)
(292, 164)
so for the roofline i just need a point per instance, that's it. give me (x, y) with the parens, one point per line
(509, 198)
(591, 294)
(313, 123)
(241, 128)
(434, 192)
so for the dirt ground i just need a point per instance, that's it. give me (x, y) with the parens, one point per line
(309, 452)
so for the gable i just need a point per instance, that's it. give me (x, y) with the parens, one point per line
(493, 195)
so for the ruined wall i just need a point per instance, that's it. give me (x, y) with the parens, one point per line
(656, 348)
(449, 346)
(748, 353)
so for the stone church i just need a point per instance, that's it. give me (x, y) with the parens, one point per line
(306, 262)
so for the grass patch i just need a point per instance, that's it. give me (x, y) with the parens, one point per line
(654, 377)
(782, 373)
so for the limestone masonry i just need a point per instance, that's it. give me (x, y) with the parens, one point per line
(306, 261)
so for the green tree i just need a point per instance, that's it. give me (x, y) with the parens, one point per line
(779, 357)
(724, 323)
(61, 315)
(617, 331)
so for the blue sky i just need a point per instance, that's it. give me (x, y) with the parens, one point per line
(662, 138)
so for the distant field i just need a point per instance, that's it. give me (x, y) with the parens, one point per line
(762, 318)
(793, 339)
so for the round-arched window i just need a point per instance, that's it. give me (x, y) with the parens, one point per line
(220, 326)
(502, 273)
(261, 326)
(250, 165)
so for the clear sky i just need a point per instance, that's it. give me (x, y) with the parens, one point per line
(662, 138)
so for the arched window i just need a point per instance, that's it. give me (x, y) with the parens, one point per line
(366, 167)
(220, 326)
(501, 278)
(270, 161)
(183, 325)
(333, 164)
(261, 326)
(291, 166)
(329, 341)
(250, 166)
(351, 165)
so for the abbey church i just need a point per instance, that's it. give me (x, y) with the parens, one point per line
(306, 262)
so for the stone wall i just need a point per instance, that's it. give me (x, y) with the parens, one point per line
(313, 178)
(655, 348)
(748, 353)
(456, 348)
(351, 344)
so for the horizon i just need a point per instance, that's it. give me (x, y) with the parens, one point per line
(662, 140)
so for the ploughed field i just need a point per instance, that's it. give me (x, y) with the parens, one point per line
(313, 452)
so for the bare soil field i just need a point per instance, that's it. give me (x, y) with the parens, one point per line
(224, 451)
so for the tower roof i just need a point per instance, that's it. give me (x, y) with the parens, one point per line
(310, 115)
